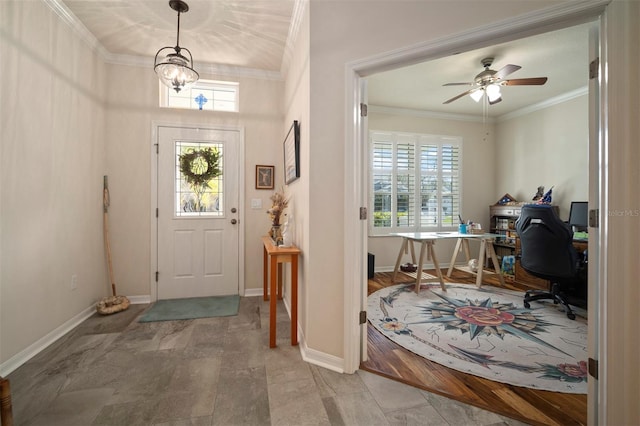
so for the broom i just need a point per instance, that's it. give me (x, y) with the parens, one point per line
(114, 303)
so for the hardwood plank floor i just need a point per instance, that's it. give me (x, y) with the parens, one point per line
(527, 405)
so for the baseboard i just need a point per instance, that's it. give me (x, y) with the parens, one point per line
(253, 292)
(34, 349)
(313, 356)
(139, 300)
(321, 359)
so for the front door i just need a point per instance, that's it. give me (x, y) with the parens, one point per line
(198, 231)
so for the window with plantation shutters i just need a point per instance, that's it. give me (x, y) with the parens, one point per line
(414, 182)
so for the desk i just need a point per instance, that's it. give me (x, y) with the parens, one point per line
(428, 239)
(487, 251)
(278, 256)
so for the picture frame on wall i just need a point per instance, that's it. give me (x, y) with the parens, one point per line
(264, 177)
(292, 153)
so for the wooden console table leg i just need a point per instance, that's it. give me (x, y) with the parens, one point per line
(265, 267)
(6, 410)
(273, 301)
(294, 300)
(280, 275)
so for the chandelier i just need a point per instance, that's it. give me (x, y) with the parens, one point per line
(173, 68)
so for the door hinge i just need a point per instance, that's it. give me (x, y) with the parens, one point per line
(157, 212)
(363, 110)
(593, 368)
(157, 148)
(594, 218)
(363, 317)
(157, 275)
(363, 213)
(594, 67)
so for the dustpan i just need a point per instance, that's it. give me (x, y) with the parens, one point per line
(113, 303)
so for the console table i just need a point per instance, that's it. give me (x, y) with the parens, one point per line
(273, 259)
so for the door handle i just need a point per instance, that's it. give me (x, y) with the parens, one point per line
(233, 210)
(233, 221)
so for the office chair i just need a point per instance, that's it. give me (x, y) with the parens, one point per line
(547, 252)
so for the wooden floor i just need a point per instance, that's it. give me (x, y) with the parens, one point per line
(527, 405)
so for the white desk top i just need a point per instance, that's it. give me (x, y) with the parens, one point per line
(421, 236)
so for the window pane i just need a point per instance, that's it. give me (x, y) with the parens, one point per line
(195, 161)
(382, 155)
(405, 200)
(382, 211)
(203, 95)
(405, 158)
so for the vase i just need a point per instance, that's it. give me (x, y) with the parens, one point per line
(276, 235)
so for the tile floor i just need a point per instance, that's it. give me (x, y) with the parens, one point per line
(113, 370)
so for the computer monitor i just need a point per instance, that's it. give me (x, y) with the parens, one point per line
(579, 215)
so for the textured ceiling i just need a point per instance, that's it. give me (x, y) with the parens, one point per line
(236, 33)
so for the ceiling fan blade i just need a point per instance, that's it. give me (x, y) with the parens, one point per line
(534, 81)
(506, 70)
(459, 96)
(458, 84)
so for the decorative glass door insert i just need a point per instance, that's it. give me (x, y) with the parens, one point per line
(199, 185)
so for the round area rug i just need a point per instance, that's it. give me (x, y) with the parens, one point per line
(486, 332)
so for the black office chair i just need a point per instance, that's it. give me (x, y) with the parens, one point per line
(547, 252)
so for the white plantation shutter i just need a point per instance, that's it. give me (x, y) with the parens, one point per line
(415, 182)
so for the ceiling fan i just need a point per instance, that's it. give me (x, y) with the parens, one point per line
(489, 81)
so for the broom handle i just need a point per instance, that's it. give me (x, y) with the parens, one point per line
(106, 201)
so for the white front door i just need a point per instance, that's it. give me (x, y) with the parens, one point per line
(198, 231)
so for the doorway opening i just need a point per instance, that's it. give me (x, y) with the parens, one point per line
(356, 239)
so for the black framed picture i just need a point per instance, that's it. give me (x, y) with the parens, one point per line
(264, 177)
(292, 153)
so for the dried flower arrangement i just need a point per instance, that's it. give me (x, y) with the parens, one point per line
(279, 203)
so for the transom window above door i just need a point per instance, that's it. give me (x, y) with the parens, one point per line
(415, 182)
(206, 95)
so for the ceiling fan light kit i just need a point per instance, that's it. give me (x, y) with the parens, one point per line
(174, 69)
(489, 81)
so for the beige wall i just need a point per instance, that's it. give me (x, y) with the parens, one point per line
(344, 32)
(131, 111)
(478, 163)
(296, 107)
(52, 160)
(549, 147)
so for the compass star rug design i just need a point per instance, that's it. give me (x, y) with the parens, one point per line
(486, 332)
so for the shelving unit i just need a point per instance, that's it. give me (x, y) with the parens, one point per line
(502, 221)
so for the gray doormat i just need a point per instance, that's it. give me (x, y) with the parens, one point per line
(190, 308)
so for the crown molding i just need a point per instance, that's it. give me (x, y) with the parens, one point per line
(88, 38)
(410, 112)
(583, 91)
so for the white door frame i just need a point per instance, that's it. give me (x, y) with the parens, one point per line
(355, 230)
(153, 220)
